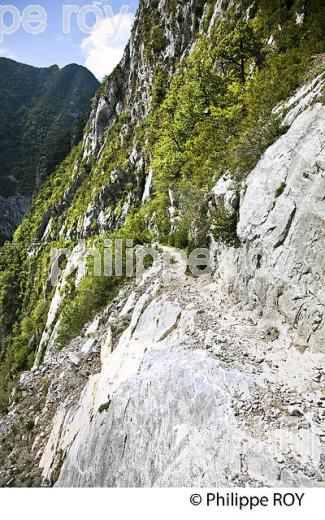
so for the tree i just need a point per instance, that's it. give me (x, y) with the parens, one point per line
(239, 47)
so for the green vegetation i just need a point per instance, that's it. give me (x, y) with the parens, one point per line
(104, 407)
(29, 426)
(42, 116)
(214, 114)
(280, 189)
(223, 227)
(120, 326)
(217, 115)
(82, 304)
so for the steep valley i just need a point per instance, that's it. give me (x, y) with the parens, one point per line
(43, 113)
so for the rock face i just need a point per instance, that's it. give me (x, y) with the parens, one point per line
(192, 394)
(174, 411)
(130, 86)
(184, 383)
(12, 211)
(129, 92)
(280, 267)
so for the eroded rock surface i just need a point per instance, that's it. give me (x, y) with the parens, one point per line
(280, 267)
(193, 393)
(12, 211)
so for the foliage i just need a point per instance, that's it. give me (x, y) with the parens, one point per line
(42, 117)
(104, 407)
(280, 189)
(82, 304)
(223, 227)
(239, 47)
(218, 114)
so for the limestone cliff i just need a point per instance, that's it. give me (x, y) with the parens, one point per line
(184, 374)
(173, 379)
(281, 265)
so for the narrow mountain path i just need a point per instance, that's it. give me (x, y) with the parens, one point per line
(173, 384)
(289, 404)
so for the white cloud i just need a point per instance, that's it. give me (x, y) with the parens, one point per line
(62, 38)
(103, 48)
(6, 53)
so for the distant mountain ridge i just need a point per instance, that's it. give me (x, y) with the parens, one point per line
(43, 111)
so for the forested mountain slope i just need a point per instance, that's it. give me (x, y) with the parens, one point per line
(43, 111)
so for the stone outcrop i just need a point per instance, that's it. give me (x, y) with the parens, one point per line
(170, 404)
(12, 211)
(280, 267)
(129, 91)
(191, 392)
(169, 407)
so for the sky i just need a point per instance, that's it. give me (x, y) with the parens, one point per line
(92, 33)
